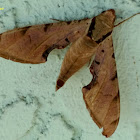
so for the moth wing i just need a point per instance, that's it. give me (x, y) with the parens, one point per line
(33, 44)
(102, 94)
(79, 53)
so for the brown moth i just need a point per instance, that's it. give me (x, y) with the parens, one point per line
(34, 43)
(88, 37)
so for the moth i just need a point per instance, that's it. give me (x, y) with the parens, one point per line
(87, 37)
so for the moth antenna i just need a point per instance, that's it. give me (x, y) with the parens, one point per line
(125, 20)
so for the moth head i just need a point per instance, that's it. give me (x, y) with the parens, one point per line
(102, 25)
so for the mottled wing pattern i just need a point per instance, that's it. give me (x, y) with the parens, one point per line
(78, 55)
(102, 94)
(33, 44)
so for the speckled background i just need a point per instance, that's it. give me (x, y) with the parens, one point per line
(30, 109)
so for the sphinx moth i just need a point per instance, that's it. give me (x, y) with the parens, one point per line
(87, 37)
(33, 44)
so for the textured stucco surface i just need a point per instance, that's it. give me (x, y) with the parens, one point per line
(30, 109)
